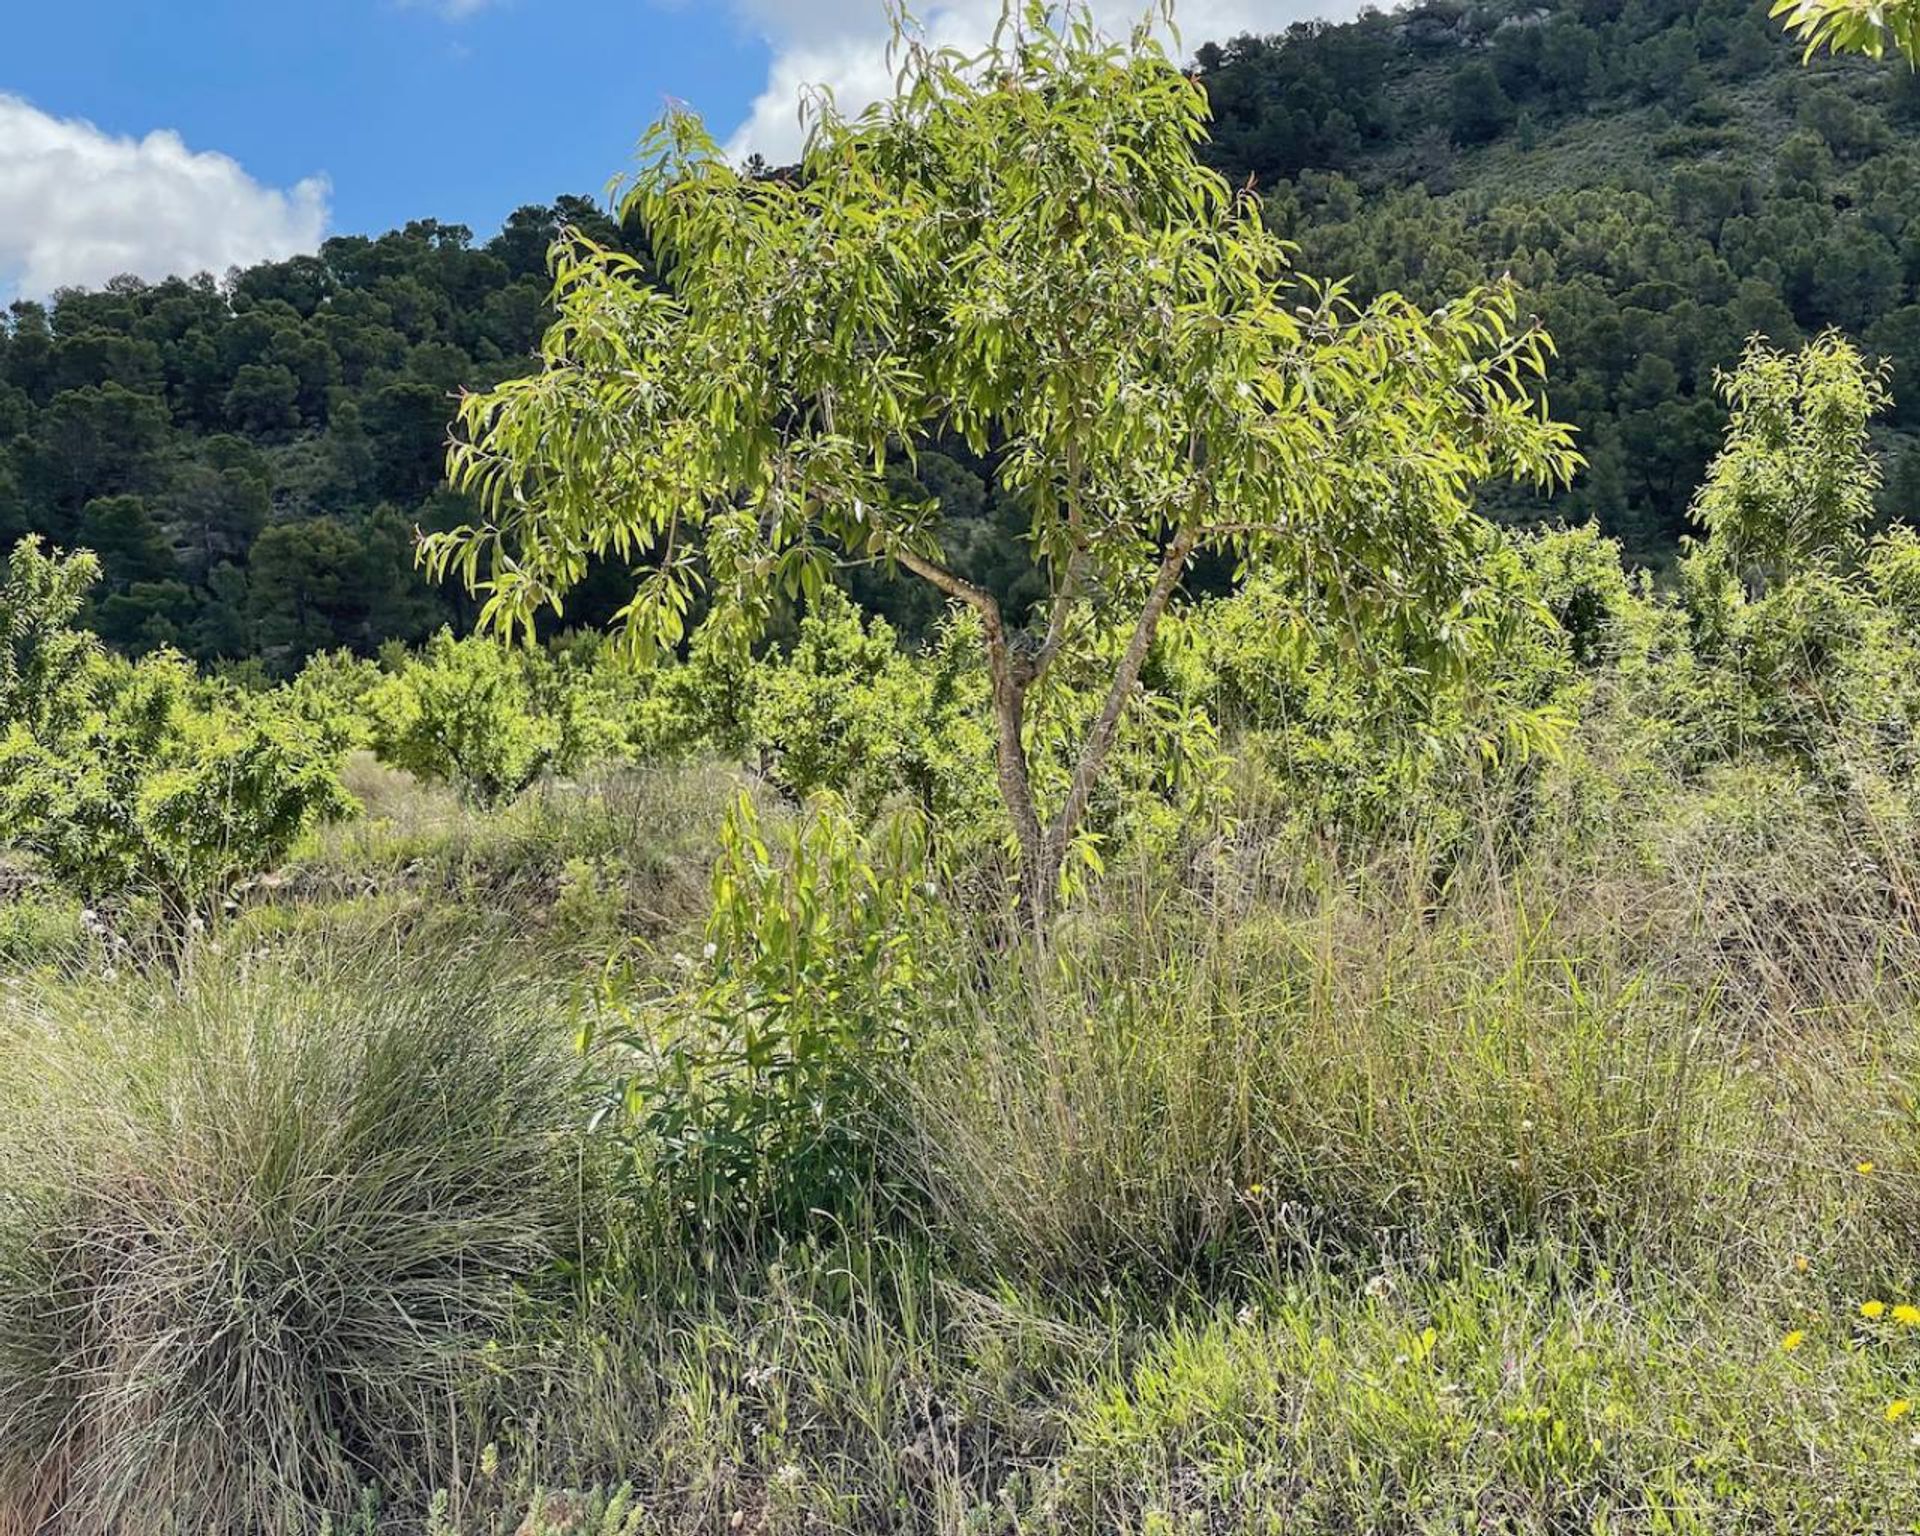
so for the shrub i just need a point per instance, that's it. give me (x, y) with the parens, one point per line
(748, 1091)
(1577, 576)
(845, 710)
(135, 779)
(259, 1235)
(463, 712)
(44, 659)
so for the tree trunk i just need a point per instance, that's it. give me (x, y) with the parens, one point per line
(1043, 849)
(1014, 775)
(1100, 736)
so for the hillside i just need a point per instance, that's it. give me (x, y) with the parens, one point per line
(1665, 179)
(1419, 1044)
(251, 456)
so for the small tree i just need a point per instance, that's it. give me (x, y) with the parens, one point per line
(133, 778)
(1023, 249)
(42, 656)
(1794, 482)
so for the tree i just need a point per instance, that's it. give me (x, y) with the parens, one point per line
(43, 658)
(132, 779)
(307, 589)
(1025, 251)
(1793, 487)
(1481, 109)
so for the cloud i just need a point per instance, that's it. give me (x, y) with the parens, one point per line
(78, 206)
(842, 44)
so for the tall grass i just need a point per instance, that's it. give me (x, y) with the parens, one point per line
(1286, 1192)
(1347, 1073)
(264, 1231)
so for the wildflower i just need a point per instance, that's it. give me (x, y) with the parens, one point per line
(1256, 1190)
(1800, 1263)
(1872, 1308)
(1907, 1315)
(1898, 1409)
(1863, 1169)
(1793, 1341)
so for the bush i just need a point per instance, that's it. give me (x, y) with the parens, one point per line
(749, 1091)
(464, 712)
(136, 779)
(262, 1236)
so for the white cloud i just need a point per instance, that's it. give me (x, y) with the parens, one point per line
(842, 44)
(78, 206)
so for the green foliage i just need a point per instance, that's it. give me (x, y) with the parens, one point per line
(1576, 575)
(750, 1091)
(134, 779)
(1793, 486)
(845, 709)
(44, 659)
(479, 716)
(1157, 386)
(1481, 110)
(1854, 26)
(160, 423)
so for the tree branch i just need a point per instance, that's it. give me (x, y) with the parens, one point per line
(954, 585)
(1063, 601)
(1093, 752)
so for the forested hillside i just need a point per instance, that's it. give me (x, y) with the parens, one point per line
(252, 456)
(1665, 178)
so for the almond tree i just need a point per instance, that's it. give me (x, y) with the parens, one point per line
(1022, 248)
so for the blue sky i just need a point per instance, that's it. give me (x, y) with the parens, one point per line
(406, 109)
(150, 137)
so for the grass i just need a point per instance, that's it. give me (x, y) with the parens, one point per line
(612, 854)
(265, 1229)
(1286, 1195)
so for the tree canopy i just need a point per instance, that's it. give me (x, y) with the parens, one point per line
(1024, 250)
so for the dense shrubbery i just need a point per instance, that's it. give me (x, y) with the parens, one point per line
(136, 779)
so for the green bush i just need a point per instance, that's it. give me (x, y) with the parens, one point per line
(136, 779)
(749, 1089)
(845, 710)
(264, 1236)
(464, 712)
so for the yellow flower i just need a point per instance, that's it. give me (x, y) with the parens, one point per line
(1898, 1409)
(1907, 1315)
(1872, 1308)
(1793, 1341)
(1800, 1263)
(1256, 1190)
(1863, 1168)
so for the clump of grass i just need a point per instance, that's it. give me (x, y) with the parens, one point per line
(44, 931)
(262, 1229)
